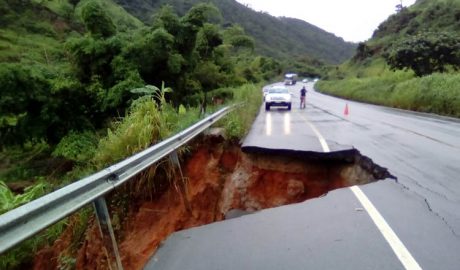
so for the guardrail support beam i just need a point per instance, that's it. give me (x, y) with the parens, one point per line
(108, 237)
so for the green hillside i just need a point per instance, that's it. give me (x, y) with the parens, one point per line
(411, 62)
(84, 84)
(34, 31)
(282, 38)
(70, 65)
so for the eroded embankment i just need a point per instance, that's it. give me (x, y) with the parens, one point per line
(221, 180)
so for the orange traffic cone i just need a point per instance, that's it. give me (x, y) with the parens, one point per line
(346, 112)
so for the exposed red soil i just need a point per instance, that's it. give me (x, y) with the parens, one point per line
(261, 182)
(48, 257)
(219, 178)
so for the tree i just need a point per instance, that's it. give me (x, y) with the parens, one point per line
(35, 105)
(166, 18)
(24, 94)
(426, 53)
(210, 77)
(362, 52)
(74, 3)
(91, 57)
(199, 14)
(208, 38)
(236, 36)
(399, 6)
(96, 20)
(191, 23)
(153, 54)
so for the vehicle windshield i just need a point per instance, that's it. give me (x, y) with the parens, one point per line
(278, 91)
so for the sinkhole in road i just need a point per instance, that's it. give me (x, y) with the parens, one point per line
(222, 182)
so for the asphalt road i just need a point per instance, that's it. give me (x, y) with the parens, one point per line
(410, 223)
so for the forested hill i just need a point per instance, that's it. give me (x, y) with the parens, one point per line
(411, 62)
(281, 38)
(423, 16)
(425, 20)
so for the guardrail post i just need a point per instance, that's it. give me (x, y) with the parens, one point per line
(108, 237)
(174, 158)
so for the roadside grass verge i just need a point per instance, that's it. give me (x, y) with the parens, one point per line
(239, 121)
(436, 93)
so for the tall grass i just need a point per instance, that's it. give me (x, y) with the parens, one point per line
(436, 93)
(140, 128)
(13, 258)
(8, 200)
(145, 124)
(28, 48)
(238, 122)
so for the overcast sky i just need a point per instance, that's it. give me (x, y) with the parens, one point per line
(353, 20)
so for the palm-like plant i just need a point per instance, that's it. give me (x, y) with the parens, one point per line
(156, 93)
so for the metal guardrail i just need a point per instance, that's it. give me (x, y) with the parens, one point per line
(29, 219)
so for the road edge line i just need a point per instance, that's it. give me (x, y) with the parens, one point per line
(320, 137)
(390, 236)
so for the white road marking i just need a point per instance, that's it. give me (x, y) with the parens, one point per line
(268, 124)
(390, 236)
(398, 247)
(321, 139)
(287, 124)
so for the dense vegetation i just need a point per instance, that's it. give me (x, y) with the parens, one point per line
(69, 69)
(84, 84)
(146, 122)
(411, 62)
(281, 38)
(45, 97)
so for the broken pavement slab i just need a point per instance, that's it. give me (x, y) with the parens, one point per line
(323, 233)
(330, 232)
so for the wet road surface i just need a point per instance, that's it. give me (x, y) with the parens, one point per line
(417, 224)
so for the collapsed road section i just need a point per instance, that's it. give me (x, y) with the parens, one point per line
(221, 182)
(224, 182)
(267, 178)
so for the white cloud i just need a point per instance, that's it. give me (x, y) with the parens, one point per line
(353, 20)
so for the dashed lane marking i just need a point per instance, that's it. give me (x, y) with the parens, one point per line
(390, 236)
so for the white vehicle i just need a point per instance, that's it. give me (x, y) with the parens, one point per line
(265, 91)
(278, 96)
(290, 79)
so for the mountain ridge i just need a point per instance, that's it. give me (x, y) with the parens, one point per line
(411, 62)
(279, 37)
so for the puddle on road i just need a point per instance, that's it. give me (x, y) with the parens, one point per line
(223, 182)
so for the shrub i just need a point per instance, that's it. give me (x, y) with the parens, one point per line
(239, 121)
(8, 200)
(426, 53)
(79, 147)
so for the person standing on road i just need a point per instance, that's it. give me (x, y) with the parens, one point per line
(303, 92)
